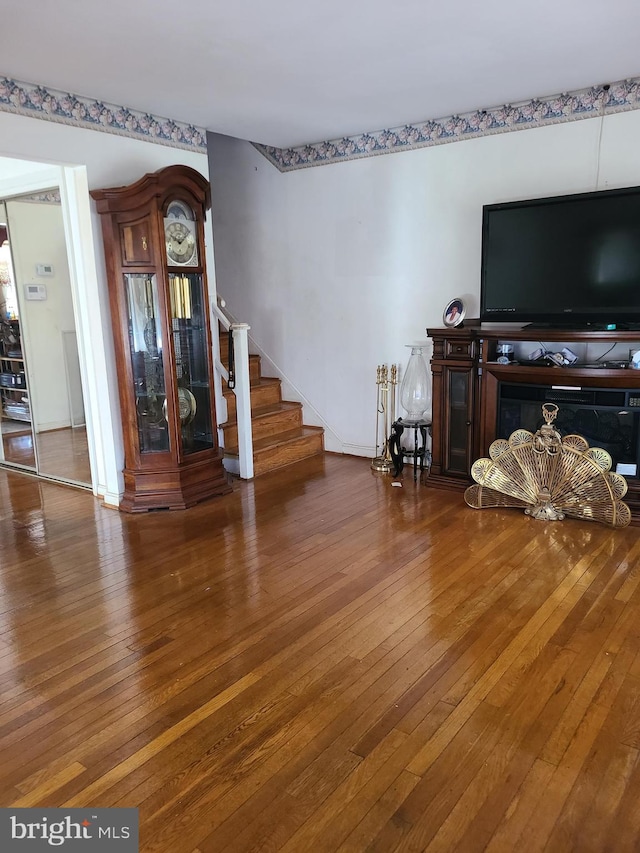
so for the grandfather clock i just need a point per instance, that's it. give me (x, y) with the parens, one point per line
(154, 245)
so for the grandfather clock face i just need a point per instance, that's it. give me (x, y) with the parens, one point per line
(181, 236)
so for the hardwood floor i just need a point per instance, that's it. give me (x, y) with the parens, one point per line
(322, 662)
(17, 443)
(62, 454)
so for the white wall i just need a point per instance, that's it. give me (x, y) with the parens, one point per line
(100, 160)
(37, 236)
(336, 268)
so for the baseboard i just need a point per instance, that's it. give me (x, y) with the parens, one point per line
(52, 426)
(110, 499)
(359, 450)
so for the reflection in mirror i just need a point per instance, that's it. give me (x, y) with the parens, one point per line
(48, 335)
(16, 446)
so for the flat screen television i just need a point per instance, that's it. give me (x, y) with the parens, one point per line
(568, 261)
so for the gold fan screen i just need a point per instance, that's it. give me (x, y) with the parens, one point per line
(550, 477)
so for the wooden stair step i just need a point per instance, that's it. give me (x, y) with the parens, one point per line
(224, 346)
(254, 360)
(279, 436)
(255, 371)
(266, 392)
(286, 448)
(266, 421)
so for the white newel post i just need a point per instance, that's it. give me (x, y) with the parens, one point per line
(243, 399)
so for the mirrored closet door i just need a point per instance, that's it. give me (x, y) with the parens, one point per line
(43, 427)
(17, 446)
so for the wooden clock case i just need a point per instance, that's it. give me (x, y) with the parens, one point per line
(162, 336)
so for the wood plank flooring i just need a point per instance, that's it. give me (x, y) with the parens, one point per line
(62, 454)
(321, 661)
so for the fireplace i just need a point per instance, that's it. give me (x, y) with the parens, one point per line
(606, 417)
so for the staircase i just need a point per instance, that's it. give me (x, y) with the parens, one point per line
(279, 436)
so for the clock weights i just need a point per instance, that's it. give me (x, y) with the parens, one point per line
(153, 234)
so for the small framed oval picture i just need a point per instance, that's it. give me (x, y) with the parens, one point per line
(454, 312)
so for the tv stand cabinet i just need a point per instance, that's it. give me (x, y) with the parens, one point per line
(466, 382)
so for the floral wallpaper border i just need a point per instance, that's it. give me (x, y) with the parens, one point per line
(52, 105)
(586, 103)
(50, 197)
(36, 101)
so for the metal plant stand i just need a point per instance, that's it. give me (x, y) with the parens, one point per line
(420, 454)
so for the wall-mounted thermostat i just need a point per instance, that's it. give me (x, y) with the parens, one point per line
(35, 291)
(44, 269)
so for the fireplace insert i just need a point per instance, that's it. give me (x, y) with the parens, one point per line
(607, 418)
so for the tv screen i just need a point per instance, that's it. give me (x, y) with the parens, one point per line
(565, 261)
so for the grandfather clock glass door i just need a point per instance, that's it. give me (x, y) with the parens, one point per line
(189, 333)
(147, 363)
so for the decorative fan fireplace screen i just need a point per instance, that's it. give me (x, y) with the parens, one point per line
(550, 477)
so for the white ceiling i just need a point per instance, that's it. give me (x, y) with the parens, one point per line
(286, 73)
(11, 168)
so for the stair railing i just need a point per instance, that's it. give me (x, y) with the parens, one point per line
(239, 381)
